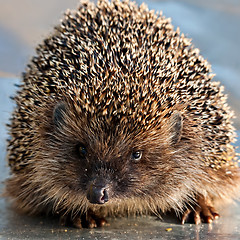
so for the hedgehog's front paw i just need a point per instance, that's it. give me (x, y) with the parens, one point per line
(91, 220)
(202, 212)
(88, 220)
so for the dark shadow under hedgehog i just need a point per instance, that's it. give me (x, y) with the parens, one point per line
(118, 115)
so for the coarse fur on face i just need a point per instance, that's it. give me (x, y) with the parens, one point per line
(60, 176)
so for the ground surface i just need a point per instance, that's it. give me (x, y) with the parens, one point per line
(214, 26)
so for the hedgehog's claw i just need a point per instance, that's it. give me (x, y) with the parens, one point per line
(202, 213)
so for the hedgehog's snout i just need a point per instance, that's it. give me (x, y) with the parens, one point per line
(98, 193)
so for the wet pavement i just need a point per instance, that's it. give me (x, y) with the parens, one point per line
(214, 26)
(22, 227)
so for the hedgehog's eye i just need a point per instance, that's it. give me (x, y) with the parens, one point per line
(136, 156)
(82, 150)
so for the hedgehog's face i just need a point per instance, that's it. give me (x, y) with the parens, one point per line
(108, 163)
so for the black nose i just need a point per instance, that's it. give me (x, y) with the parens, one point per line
(97, 195)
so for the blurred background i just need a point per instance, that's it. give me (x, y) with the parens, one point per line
(213, 25)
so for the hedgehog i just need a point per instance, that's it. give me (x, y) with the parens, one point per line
(118, 115)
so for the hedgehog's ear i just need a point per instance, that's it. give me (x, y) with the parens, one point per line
(59, 113)
(176, 125)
